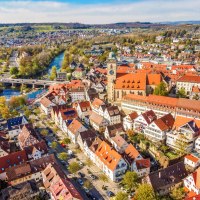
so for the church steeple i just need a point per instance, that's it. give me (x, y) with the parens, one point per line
(111, 75)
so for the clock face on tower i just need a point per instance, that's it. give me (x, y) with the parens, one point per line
(111, 72)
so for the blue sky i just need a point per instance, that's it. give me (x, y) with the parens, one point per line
(95, 11)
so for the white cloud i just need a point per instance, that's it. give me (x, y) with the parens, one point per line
(52, 11)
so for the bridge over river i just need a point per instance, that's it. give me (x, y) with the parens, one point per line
(32, 82)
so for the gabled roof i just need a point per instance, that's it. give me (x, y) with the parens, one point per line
(113, 111)
(97, 119)
(119, 140)
(133, 115)
(143, 163)
(168, 177)
(165, 123)
(180, 121)
(85, 106)
(192, 158)
(95, 144)
(5, 145)
(20, 191)
(45, 102)
(41, 146)
(17, 121)
(191, 79)
(88, 136)
(68, 114)
(149, 116)
(108, 155)
(154, 79)
(131, 82)
(97, 103)
(12, 159)
(75, 126)
(27, 136)
(130, 154)
(113, 129)
(196, 176)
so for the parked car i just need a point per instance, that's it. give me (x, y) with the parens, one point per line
(86, 189)
(110, 194)
(91, 196)
(93, 177)
(80, 163)
(81, 174)
(80, 181)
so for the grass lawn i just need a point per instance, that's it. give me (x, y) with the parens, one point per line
(171, 155)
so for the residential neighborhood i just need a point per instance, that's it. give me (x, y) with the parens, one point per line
(99, 111)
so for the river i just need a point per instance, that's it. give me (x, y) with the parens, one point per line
(8, 93)
(57, 61)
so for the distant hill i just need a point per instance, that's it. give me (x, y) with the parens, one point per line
(180, 22)
(118, 25)
(79, 25)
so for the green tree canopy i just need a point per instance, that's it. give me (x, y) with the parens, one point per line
(74, 167)
(63, 156)
(44, 132)
(181, 93)
(145, 192)
(66, 141)
(88, 185)
(103, 177)
(14, 71)
(177, 194)
(161, 89)
(121, 196)
(53, 73)
(54, 145)
(130, 180)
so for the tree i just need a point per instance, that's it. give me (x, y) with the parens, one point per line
(181, 93)
(66, 141)
(63, 156)
(145, 191)
(181, 144)
(2, 101)
(88, 185)
(89, 163)
(36, 111)
(121, 196)
(53, 73)
(44, 132)
(103, 177)
(130, 180)
(5, 112)
(74, 167)
(177, 194)
(54, 145)
(14, 71)
(27, 113)
(130, 132)
(161, 89)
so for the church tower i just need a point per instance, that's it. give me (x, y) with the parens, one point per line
(111, 76)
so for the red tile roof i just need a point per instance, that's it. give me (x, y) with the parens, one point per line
(131, 82)
(192, 158)
(108, 155)
(191, 79)
(12, 159)
(143, 163)
(154, 79)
